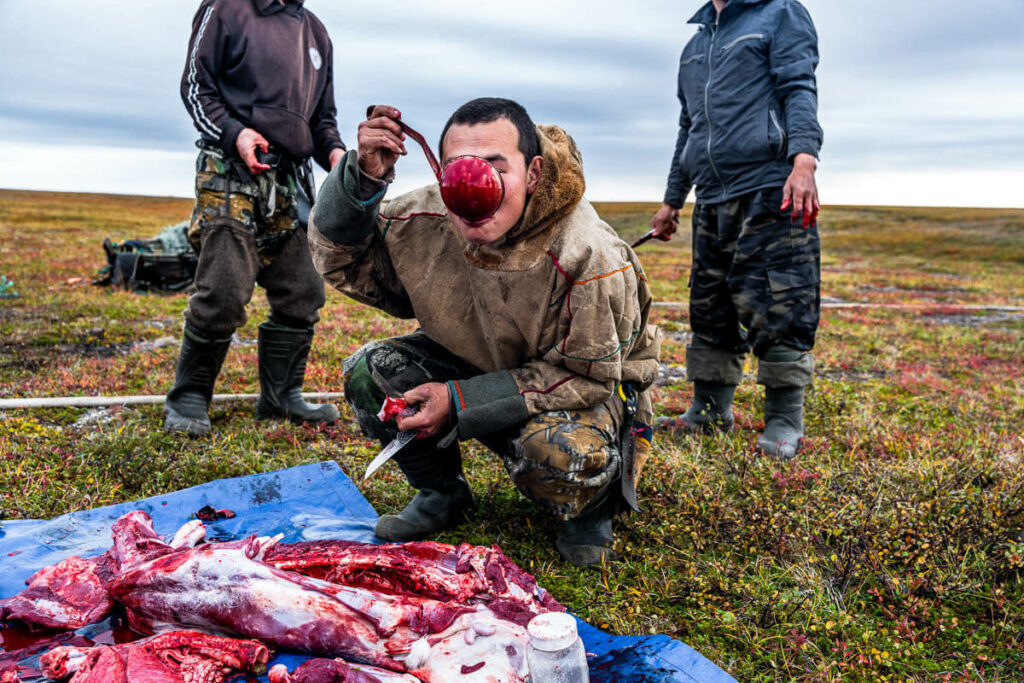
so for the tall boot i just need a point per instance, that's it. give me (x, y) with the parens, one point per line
(785, 372)
(587, 539)
(188, 402)
(715, 374)
(444, 498)
(710, 409)
(282, 359)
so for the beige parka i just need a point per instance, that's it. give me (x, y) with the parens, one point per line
(559, 305)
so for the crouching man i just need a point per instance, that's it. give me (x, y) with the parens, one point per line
(533, 325)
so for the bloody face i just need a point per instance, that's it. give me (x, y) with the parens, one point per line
(498, 143)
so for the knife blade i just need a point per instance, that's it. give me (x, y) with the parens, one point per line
(386, 454)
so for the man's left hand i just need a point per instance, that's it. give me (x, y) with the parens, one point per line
(335, 157)
(801, 192)
(434, 401)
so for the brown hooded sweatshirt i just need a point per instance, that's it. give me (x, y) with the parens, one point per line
(263, 65)
(554, 315)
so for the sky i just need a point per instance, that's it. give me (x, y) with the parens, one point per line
(922, 101)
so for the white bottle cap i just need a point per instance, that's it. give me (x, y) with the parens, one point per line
(552, 631)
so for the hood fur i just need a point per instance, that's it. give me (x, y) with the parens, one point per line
(560, 189)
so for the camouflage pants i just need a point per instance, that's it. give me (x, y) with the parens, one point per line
(562, 459)
(246, 232)
(755, 281)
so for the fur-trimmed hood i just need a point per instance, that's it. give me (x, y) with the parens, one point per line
(560, 189)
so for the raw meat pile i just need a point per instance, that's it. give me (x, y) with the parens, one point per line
(386, 613)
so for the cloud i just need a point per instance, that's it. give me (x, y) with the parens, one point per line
(910, 88)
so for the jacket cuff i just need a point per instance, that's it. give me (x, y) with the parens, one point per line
(229, 135)
(677, 196)
(487, 403)
(803, 146)
(342, 212)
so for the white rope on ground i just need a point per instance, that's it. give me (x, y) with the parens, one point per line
(84, 401)
(852, 304)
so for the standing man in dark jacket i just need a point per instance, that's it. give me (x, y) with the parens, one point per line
(749, 140)
(258, 86)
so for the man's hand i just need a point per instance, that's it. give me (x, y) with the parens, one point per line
(665, 222)
(801, 192)
(247, 143)
(335, 157)
(380, 141)
(434, 401)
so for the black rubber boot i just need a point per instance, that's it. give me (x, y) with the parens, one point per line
(783, 422)
(282, 358)
(785, 372)
(444, 498)
(587, 539)
(710, 410)
(188, 402)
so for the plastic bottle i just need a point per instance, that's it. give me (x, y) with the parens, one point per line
(555, 653)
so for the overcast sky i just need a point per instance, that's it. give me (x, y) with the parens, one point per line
(922, 101)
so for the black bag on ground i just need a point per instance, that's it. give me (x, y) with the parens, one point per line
(165, 263)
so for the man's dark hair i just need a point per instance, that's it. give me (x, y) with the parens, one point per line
(487, 109)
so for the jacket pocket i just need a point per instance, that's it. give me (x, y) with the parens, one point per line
(776, 135)
(686, 157)
(736, 41)
(284, 128)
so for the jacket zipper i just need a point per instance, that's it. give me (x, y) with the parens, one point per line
(707, 108)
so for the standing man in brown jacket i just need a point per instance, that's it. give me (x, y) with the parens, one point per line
(533, 325)
(258, 86)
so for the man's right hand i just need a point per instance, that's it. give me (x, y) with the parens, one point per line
(380, 142)
(247, 143)
(665, 222)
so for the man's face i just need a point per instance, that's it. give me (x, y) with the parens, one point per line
(498, 142)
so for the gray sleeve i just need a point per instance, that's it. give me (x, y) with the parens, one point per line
(679, 182)
(347, 203)
(793, 58)
(487, 403)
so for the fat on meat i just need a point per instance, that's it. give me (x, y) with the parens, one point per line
(464, 573)
(226, 588)
(336, 671)
(73, 593)
(174, 657)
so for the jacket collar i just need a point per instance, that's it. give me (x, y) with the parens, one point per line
(706, 14)
(265, 7)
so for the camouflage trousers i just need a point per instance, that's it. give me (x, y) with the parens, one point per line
(246, 231)
(563, 460)
(266, 204)
(755, 281)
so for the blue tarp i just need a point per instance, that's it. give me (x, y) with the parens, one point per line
(305, 503)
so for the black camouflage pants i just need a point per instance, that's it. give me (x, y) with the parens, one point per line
(755, 281)
(247, 233)
(562, 459)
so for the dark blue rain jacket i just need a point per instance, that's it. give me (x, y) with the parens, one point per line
(749, 100)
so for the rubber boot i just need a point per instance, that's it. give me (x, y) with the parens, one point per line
(444, 498)
(783, 422)
(710, 409)
(715, 373)
(587, 539)
(785, 372)
(188, 402)
(282, 359)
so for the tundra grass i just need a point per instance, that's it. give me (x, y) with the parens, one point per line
(889, 550)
